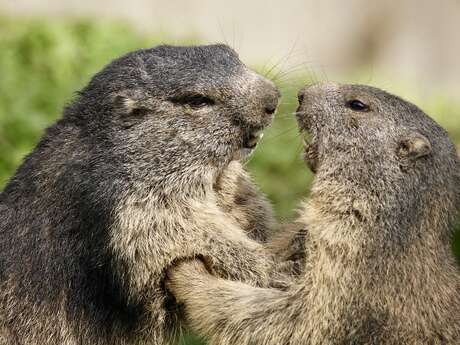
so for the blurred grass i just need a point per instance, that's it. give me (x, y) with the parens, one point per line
(43, 62)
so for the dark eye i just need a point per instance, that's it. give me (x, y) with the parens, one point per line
(194, 101)
(357, 105)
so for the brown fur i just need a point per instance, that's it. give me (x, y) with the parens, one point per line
(122, 187)
(379, 268)
(244, 203)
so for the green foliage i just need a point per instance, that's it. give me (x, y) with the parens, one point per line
(190, 340)
(43, 62)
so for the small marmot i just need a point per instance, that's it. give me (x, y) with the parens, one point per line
(132, 178)
(379, 267)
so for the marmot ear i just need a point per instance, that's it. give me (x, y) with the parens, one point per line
(128, 103)
(414, 146)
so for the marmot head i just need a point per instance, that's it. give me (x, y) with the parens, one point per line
(171, 113)
(379, 160)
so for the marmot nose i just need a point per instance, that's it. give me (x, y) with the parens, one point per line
(301, 95)
(270, 110)
(270, 99)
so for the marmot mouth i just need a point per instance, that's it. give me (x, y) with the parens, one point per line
(249, 143)
(310, 144)
(252, 139)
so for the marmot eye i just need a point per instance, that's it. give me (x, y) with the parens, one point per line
(357, 105)
(194, 101)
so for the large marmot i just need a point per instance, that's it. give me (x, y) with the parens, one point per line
(132, 178)
(379, 267)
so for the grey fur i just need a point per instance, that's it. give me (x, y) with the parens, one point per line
(379, 268)
(120, 188)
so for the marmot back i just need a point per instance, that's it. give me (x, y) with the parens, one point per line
(121, 187)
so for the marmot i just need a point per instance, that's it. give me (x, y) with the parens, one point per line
(379, 267)
(121, 187)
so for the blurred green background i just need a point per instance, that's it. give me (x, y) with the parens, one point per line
(43, 63)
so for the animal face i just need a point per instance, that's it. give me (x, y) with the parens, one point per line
(361, 122)
(182, 106)
(376, 156)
